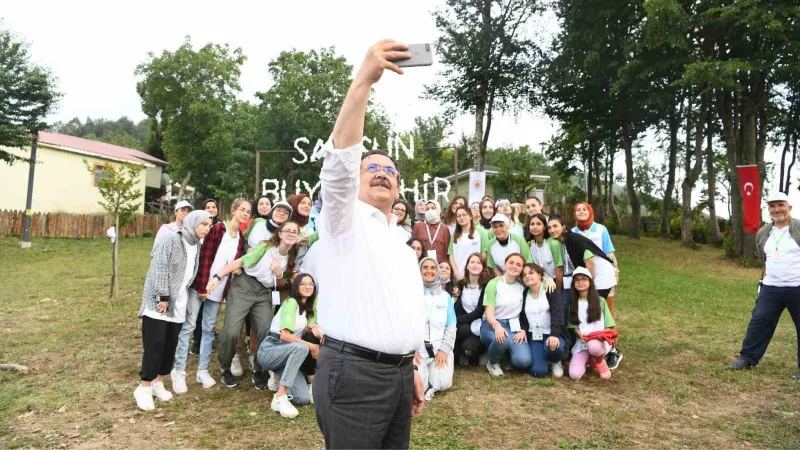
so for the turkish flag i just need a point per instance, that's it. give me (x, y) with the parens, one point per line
(751, 197)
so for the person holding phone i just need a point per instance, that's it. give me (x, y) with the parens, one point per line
(366, 388)
(502, 332)
(436, 367)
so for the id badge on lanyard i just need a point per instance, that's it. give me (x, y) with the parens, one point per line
(276, 298)
(432, 253)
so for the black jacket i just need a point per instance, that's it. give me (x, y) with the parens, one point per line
(557, 326)
(462, 316)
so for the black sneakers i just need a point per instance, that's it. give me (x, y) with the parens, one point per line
(613, 358)
(229, 379)
(259, 380)
(740, 364)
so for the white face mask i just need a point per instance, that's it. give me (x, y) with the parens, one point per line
(432, 216)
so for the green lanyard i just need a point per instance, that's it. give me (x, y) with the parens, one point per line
(778, 240)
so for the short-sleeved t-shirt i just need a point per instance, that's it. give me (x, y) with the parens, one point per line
(465, 246)
(548, 256)
(504, 297)
(261, 269)
(496, 254)
(290, 318)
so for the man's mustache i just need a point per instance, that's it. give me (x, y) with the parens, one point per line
(379, 181)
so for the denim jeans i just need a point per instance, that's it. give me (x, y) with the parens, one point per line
(520, 353)
(541, 355)
(209, 325)
(192, 307)
(286, 358)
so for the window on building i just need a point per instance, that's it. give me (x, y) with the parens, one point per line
(98, 175)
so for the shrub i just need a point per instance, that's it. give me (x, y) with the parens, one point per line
(148, 233)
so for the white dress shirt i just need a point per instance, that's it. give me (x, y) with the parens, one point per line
(373, 294)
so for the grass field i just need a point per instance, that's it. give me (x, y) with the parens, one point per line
(681, 315)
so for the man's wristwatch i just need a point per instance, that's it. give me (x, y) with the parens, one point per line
(416, 367)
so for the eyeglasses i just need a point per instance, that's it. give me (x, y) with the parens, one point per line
(307, 284)
(388, 170)
(290, 233)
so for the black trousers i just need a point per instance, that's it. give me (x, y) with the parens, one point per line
(160, 339)
(362, 404)
(198, 329)
(769, 307)
(309, 366)
(467, 343)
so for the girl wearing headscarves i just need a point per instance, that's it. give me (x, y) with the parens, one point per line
(212, 207)
(419, 211)
(262, 229)
(606, 272)
(173, 266)
(434, 235)
(487, 212)
(261, 208)
(253, 293)
(436, 368)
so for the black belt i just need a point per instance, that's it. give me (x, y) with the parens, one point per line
(274, 335)
(365, 353)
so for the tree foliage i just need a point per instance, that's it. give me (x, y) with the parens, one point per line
(27, 95)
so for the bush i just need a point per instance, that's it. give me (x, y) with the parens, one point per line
(727, 244)
(148, 233)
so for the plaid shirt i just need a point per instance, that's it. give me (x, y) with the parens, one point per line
(208, 251)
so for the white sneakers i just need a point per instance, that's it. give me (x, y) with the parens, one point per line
(179, 381)
(557, 369)
(144, 398)
(205, 378)
(273, 383)
(429, 394)
(161, 393)
(494, 369)
(144, 395)
(284, 406)
(310, 393)
(236, 366)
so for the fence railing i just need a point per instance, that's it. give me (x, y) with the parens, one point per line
(76, 226)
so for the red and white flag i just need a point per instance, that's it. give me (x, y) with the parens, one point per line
(751, 197)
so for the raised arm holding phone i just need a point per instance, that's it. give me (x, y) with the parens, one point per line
(366, 388)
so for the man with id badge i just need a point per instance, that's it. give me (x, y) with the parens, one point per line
(435, 236)
(778, 245)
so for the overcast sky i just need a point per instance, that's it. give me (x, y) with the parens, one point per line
(93, 48)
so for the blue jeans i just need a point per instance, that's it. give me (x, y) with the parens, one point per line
(520, 353)
(286, 358)
(187, 330)
(541, 355)
(209, 325)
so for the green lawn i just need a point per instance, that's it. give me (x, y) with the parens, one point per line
(681, 315)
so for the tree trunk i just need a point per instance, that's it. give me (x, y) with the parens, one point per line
(692, 172)
(587, 164)
(716, 236)
(115, 260)
(612, 208)
(599, 207)
(184, 183)
(477, 156)
(666, 212)
(633, 199)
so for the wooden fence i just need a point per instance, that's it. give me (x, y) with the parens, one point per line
(76, 226)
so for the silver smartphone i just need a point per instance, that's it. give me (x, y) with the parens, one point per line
(421, 55)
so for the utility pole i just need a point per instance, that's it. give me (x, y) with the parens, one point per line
(455, 167)
(26, 221)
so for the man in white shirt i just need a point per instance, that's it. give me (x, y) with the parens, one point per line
(371, 307)
(778, 245)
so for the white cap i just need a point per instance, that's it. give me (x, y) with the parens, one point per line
(582, 271)
(183, 204)
(778, 197)
(500, 218)
(284, 204)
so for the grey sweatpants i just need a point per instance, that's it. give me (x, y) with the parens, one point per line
(246, 296)
(362, 404)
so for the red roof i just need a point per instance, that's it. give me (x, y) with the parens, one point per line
(99, 148)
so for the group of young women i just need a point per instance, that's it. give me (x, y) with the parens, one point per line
(500, 292)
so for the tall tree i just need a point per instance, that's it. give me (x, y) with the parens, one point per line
(27, 95)
(491, 63)
(190, 94)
